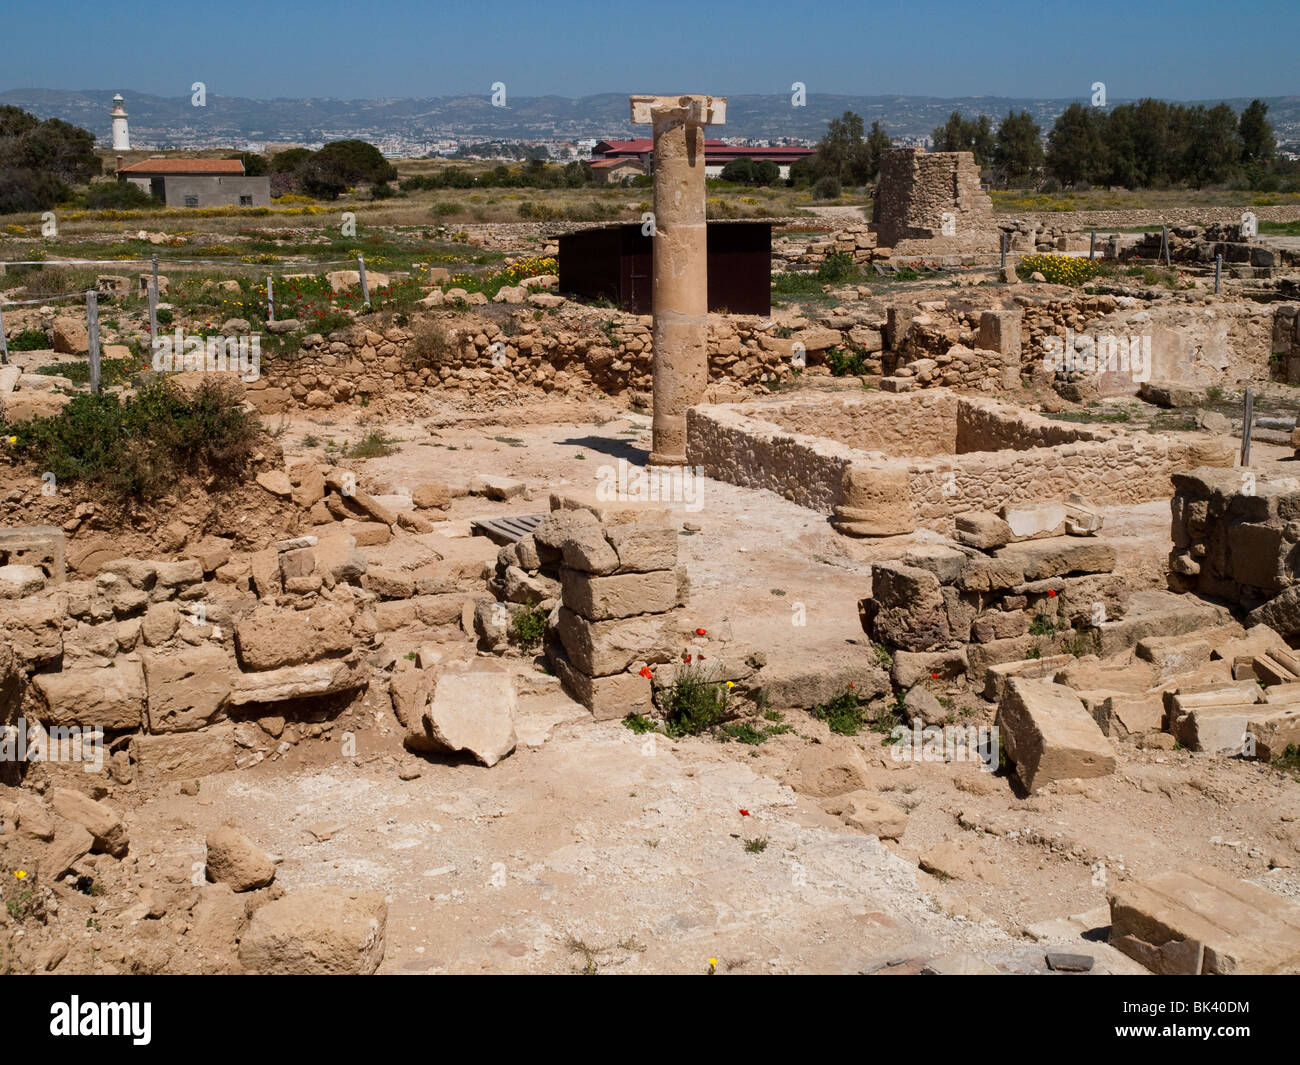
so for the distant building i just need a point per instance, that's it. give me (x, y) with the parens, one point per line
(717, 154)
(199, 182)
(121, 138)
(612, 171)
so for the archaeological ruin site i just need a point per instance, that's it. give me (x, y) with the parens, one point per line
(381, 601)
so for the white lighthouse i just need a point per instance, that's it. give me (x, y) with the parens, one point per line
(121, 139)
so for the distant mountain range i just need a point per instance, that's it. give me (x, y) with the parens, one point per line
(409, 124)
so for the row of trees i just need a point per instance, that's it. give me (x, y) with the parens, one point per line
(1014, 151)
(535, 174)
(1153, 143)
(846, 155)
(1147, 144)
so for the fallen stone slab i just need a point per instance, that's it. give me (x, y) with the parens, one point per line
(1049, 735)
(109, 834)
(1170, 394)
(1270, 734)
(474, 711)
(491, 486)
(1036, 522)
(1215, 729)
(980, 529)
(1172, 655)
(1048, 666)
(1203, 922)
(320, 931)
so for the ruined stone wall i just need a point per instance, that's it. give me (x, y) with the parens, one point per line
(896, 425)
(915, 190)
(1039, 460)
(726, 443)
(1126, 470)
(994, 427)
(560, 353)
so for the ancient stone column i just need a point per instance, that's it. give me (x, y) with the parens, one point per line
(681, 281)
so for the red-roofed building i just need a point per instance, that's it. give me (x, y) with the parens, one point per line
(198, 182)
(612, 171)
(717, 154)
(168, 167)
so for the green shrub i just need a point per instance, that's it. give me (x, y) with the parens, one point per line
(29, 340)
(838, 266)
(695, 702)
(528, 626)
(118, 194)
(1289, 761)
(826, 188)
(374, 446)
(139, 447)
(843, 714)
(846, 362)
(429, 347)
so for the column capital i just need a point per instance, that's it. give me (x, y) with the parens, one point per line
(696, 109)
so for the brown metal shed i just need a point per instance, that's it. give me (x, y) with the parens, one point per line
(615, 263)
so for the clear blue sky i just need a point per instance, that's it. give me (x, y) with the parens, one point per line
(1191, 49)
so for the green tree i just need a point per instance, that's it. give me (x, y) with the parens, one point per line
(878, 143)
(842, 153)
(766, 172)
(357, 161)
(49, 147)
(289, 160)
(959, 134)
(14, 121)
(1075, 147)
(255, 165)
(1256, 134)
(1213, 147)
(1018, 155)
(739, 170)
(30, 190)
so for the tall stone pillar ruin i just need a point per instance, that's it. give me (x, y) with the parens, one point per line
(680, 289)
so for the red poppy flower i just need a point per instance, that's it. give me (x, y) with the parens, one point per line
(700, 632)
(853, 687)
(744, 813)
(645, 672)
(935, 676)
(1051, 594)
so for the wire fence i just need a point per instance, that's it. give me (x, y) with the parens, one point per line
(91, 296)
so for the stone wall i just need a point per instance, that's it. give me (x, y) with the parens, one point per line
(1236, 538)
(916, 189)
(996, 455)
(570, 351)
